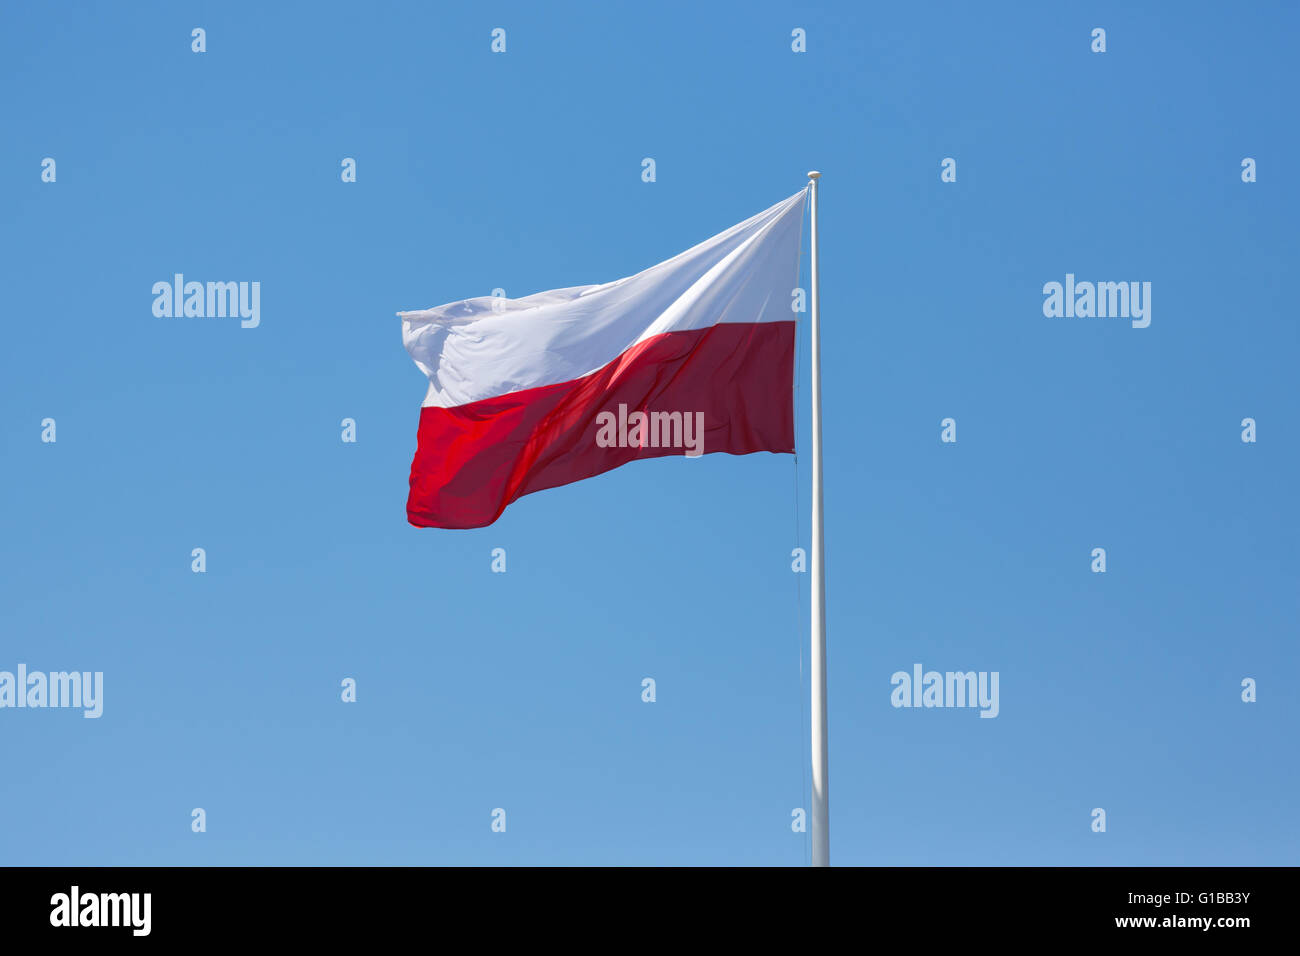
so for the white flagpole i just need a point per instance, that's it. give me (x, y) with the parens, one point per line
(821, 798)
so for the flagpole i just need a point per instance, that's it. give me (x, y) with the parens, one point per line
(821, 804)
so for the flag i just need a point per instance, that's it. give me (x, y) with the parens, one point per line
(692, 356)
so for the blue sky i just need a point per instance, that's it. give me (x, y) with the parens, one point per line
(522, 690)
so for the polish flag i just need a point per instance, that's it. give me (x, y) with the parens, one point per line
(692, 356)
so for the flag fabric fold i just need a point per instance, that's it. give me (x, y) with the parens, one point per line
(694, 355)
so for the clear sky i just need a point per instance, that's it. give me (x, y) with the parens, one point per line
(522, 170)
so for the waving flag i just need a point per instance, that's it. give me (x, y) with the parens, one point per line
(692, 356)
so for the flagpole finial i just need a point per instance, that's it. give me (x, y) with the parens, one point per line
(813, 174)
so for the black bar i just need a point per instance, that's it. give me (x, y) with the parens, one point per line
(975, 905)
